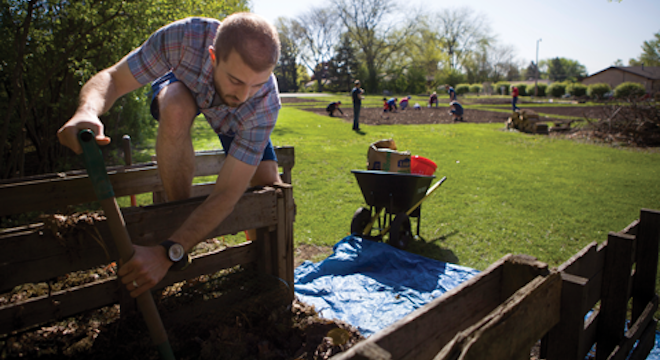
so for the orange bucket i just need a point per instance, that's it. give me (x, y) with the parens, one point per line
(422, 166)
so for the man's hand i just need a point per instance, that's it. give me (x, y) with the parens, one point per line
(68, 133)
(146, 268)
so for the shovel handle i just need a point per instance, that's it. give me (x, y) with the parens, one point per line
(98, 174)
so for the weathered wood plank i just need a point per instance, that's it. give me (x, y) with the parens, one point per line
(646, 261)
(588, 338)
(585, 263)
(510, 331)
(614, 301)
(646, 343)
(91, 296)
(418, 336)
(635, 332)
(565, 337)
(61, 190)
(41, 256)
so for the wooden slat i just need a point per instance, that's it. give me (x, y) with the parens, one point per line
(614, 301)
(564, 338)
(586, 263)
(588, 338)
(646, 261)
(418, 336)
(635, 332)
(91, 296)
(61, 190)
(646, 343)
(40, 256)
(510, 331)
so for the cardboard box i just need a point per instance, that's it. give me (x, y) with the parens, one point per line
(383, 156)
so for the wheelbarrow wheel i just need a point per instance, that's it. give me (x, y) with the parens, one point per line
(400, 233)
(360, 220)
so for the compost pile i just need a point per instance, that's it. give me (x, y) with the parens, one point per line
(632, 124)
(236, 313)
(261, 326)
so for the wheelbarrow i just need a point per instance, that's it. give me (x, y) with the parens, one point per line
(393, 198)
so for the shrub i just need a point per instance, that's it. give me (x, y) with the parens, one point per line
(462, 89)
(502, 85)
(557, 89)
(522, 89)
(576, 89)
(475, 88)
(629, 90)
(542, 88)
(598, 90)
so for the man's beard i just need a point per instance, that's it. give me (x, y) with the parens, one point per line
(229, 100)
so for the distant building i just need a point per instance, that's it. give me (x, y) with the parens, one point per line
(648, 76)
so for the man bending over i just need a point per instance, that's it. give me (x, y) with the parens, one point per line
(223, 70)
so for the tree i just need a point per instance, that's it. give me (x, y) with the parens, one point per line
(372, 31)
(50, 48)
(562, 69)
(319, 34)
(462, 31)
(286, 70)
(650, 53)
(343, 67)
(424, 50)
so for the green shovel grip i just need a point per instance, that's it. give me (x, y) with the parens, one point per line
(95, 165)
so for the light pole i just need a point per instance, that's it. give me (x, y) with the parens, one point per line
(536, 80)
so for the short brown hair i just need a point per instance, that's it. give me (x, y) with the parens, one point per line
(252, 36)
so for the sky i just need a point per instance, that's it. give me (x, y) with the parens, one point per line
(593, 32)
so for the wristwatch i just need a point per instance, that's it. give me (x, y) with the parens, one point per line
(176, 254)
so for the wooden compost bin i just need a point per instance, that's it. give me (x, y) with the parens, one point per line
(503, 311)
(33, 254)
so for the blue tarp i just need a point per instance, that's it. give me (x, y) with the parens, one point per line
(370, 285)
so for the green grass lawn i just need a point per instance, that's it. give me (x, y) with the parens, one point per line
(506, 192)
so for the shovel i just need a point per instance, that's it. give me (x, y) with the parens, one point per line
(103, 188)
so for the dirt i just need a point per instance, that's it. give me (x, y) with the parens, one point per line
(440, 115)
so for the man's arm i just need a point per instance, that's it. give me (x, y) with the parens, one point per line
(150, 264)
(97, 97)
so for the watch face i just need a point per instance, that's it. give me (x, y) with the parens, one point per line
(176, 252)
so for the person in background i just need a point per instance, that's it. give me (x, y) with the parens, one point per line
(514, 97)
(391, 104)
(456, 110)
(334, 107)
(357, 96)
(417, 106)
(404, 102)
(433, 99)
(451, 92)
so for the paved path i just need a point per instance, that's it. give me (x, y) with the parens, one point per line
(302, 94)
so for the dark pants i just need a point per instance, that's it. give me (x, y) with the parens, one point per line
(356, 116)
(513, 102)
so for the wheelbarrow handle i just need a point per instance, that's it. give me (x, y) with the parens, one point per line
(98, 174)
(428, 193)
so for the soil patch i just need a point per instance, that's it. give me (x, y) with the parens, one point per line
(376, 116)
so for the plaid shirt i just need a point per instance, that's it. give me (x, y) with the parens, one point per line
(182, 48)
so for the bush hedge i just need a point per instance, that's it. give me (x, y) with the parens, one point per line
(629, 90)
(598, 90)
(462, 89)
(557, 89)
(475, 88)
(502, 85)
(522, 89)
(576, 89)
